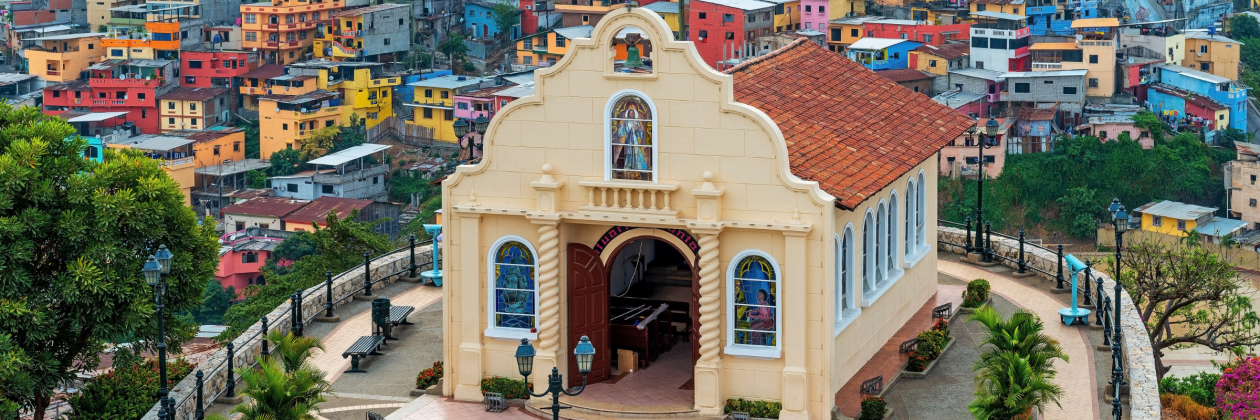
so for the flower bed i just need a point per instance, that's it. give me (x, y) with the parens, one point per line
(976, 295)
(1238, 391)
(932, 344)
(511, 389)
(754, 408)
(429, 377)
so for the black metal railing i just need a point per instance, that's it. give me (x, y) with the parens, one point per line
(297, 319)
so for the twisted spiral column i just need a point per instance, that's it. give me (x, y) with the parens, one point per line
(710, 299)
(548, 286)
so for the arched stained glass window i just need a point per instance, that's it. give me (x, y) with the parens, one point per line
(515, 291)
(756, 306)
(632, 139)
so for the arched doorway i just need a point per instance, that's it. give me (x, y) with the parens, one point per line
(639, 294)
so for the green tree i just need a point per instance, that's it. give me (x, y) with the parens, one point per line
(1149, 122)
(1189, 295)
(320, 143)
(102, 29)
(338, 246)
(13, 381)
(286, 161)
(252, 140)
(454, 48)
(505, 15)
(1080, 207)
(126, 392)
(74, 235)
(1020, 334)
(215, 301)
(293, 351)
(1243, 26)
(285, 386)
(1010, 388)
(256, 179)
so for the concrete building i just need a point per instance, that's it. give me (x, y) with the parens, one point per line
(365, 88)
(194, 108)
(435, 103)
(261, 212)
(585, 12)
(346, 174)
(242, 255)
(383, 214)
(918, 31)
(999, 42)
(1210, 52)
(372, 33)
(727, 30)
(175, 154)
(1165, 40)
(961, 158)
(282, 31)
(1173, 218)
(543, 49)
(987, 83)
(63, 58)
(1244, 186)
(1221, 90)
(912, 79)
(223, 183)
(939, 60)
(847, 30)
(285, 120)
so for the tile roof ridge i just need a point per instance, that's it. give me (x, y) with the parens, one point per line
(741, 66)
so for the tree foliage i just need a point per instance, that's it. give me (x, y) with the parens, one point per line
(1015, 372)
(13, 381)
(253, 145)
(285, 386)
(215, 302)
(1189, 295)
(1243, 26)
(74, 235)
(505, 15)
(319, 143)
(1031, 186)
(256, 179)
(286, 162)
(126, 392)
(338, 246)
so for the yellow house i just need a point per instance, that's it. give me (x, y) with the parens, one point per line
(1173, 218)
(284, 120)
(787, 15)
(365, 89)
(1014, 7)
(545, 48)
(846, 31)
(940, 59)
(127, 49)
(673, 165)
(434, 105)
(838, 9)
(61, 58)
(175, 154)
(669, 11)
(189, 108)
(256, 84)
(1094, 51)
(364, 32)
(1212, 54)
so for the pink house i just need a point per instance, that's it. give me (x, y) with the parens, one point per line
(814, 15)
(1109, 128)
(242, 255)
(960, 156)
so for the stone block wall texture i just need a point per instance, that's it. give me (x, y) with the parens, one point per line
(1138, 355)
(249, 344)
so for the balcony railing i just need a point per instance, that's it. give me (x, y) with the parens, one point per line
(350, 176)
(53, 73)
(633, 196)
(172, 163)
(1047, 66)
(1096, 43)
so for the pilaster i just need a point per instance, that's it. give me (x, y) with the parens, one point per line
(795, 376)
(470, 367)
(548, 222)
(708, 370)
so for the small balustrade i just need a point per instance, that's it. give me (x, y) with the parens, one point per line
(629, 196)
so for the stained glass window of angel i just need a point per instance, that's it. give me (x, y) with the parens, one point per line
(631, 135)
(756, 311)
(515, 290)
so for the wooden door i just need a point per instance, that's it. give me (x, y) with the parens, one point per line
(695, 312)
(588, 312)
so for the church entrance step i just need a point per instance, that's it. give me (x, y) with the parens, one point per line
(583, 409)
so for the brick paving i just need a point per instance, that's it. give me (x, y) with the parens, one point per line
(888, 361)
(359, 325)
(1077, 378)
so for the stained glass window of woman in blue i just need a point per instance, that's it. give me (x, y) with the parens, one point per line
(756, 308)
(632, 142)
(514, 286)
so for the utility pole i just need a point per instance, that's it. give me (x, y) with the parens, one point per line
(682, 20)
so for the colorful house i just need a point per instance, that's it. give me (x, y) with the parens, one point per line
(1014, 7)
(882, 53)
(210, 68)
(545, 48)
(999, 42)
(587, 12)
(1210, 52)
(845, 31)
(434, 105)
(194, 108)
(174, 154)
(130, 86)
(1182, 107)
(787, 15)
(261, 212)
(285, 120)
(316, 212)
(1221, 90)
(253, 84)
(63, 58)
(376, 32)
(667, 10)
(939, 60)
(1173, 218)
(837, 9)
(922, 32)
(242, 255)
(284, 29)
(961, 158)
(479, 19)
(364, 87)
(727, 30)
(127, 49)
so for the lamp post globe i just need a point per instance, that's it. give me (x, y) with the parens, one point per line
(1114, 207)
(1122, 220)
(461, 128)
(152, 271)
(525, 358)
(481, 124)
(164, 258)
(584, 352)
(991, 127)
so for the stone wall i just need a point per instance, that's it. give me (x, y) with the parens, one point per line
(1138, 352)
(249, 344)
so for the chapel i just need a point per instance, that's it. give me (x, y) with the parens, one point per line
(757, 233)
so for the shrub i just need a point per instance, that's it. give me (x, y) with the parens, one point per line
(1238, 391)
(941, 326)
(873, 408)
(1200, 387)
(918, 362)
(931, 343)
(754, 408)
(1186, 407)
(126, 392)
(430, 376)
(511, 389)
(976, 294)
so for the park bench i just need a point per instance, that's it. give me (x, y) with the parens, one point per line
(397, 316)
(362, 348)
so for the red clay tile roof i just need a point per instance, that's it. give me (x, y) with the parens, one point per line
(947, 51)
(846, 128)
(317, 210)
(902, 75)
(266, 206)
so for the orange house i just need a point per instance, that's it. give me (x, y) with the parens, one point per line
(316, 212)
(62, 58)
(283, 30)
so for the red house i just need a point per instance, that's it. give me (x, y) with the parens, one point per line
(242, 255)
(728, 29)
(214, 68)
(131, 86)
(917, 31)
(66, 97)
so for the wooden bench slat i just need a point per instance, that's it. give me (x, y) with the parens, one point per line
(362, 348)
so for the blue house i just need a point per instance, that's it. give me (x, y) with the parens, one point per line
(1046, 19)
(1219, 89)
(99, 129)
(882, 53)
(479, 18)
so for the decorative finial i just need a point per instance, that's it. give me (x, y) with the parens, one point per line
(631, 4)
(472, 199)
(796, 216)
(546, 170)
(708, 181)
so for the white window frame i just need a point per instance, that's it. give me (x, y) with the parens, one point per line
(608, 133)
(892, 260)
(868, 243)
(745, 350)
(502, 333)
(847, 309)
(921, 213)
(916, 241)
(881, 236)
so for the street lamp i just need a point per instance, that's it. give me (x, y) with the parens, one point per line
(584, 352)
(481, 123)
(153, 269)
(1120, 218)
(461, 128)
(986, 140)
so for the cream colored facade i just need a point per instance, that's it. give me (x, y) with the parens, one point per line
(720, 173)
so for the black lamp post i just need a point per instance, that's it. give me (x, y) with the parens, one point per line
(987, 140)
(154, 268)
(584, 352)
(464, 127)
(1120, 219)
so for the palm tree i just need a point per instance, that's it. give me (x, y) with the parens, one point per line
(284, 386)
(1010, 388)
(1020, 334)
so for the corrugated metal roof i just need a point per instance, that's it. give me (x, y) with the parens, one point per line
(741, 4)
(996, 15)
(1220, 227)
(1019, 74)
(1176, 210)
(870, 43)
(980, 74)
(350, 154)
(956, 98)
(1095, 23)
(450, 82)
(575, 32)
(1188, 72)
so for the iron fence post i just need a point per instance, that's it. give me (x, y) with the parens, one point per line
(1098, 315)
(367, 273)
(201, 408)
(967, 243)
(328, 304)
(412, 272)
(265, 353)
(1022, 264)
(296, 305)
(1115, 337)
(231, 374)
(1089, 273)
(1059, 278)
(988, 242)
(1106, 320)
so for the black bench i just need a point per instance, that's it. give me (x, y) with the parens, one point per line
(908, 345)
(363, 347)
(873, 386)
(397, 316)
(944, 311)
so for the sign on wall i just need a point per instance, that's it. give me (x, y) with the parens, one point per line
(616, 231)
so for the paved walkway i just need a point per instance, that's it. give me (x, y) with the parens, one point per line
(888, 361)
(1080, 397)
(359, 325)
(430, 407)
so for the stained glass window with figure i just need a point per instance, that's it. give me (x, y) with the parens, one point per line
(632, 143)
(515, 289)
(756, 302)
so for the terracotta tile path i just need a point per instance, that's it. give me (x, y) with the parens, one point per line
(888, 361)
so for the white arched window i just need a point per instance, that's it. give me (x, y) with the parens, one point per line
(868, 252)
(891, 252)
(911, 209)
(881, 244)
(920, 232)
(753, 306)
(513, 292)
(846, 305)
(630, 137)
